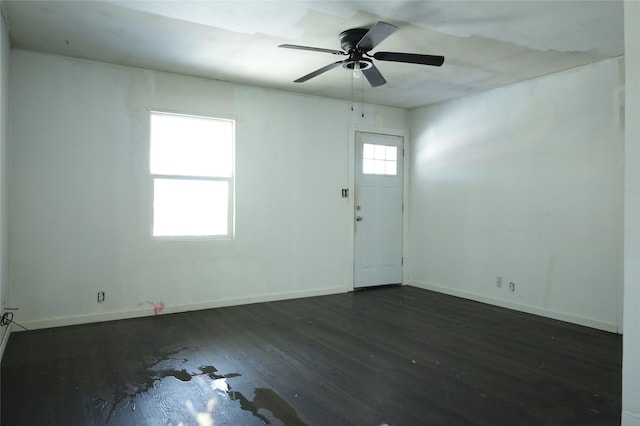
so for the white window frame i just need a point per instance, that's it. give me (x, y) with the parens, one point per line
(230, 180)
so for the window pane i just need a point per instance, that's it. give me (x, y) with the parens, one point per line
(392, 168)
(367, 167)
(190, 207)
(191, 146)
(379, 159)
(367, 150)
(391, 153)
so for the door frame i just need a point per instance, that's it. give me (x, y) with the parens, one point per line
(351, 207)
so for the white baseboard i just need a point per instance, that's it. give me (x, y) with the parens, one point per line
(171, 309)
(630, 419)
(518, 307)
(219, 303)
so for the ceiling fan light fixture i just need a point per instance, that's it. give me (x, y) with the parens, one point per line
(362, 64)
(356, 70)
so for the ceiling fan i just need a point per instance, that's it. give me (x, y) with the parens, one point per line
(356, 44)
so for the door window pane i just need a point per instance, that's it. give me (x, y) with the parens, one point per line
(368, 166)
(379, 159)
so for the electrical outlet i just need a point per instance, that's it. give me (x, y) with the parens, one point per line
(101, 296)
(512, 286)
(499, 282)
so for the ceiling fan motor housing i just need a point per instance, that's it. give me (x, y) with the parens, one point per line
(349, 38)
(349, 42)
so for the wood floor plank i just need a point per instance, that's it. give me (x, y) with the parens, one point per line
(396, 356)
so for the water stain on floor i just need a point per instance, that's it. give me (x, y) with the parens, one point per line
(162, 366)
(268, 399)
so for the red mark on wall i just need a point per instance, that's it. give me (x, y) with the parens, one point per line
(157, 307)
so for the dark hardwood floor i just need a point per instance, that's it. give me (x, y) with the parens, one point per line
(396, 356)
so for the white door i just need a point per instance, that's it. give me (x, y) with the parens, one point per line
(378, 210)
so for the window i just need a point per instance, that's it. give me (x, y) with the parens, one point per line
(191, 163)
(379, 159)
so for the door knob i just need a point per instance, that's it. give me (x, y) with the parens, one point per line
(358, 218)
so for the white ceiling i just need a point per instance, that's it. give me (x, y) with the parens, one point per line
(487, 44)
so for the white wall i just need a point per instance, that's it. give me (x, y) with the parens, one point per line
(80, 194)
(526, 183)
(4, 78)
(631, 342)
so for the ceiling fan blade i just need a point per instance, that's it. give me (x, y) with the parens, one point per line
(375, 35)
(412, 58)
(313, 49)
(373, 76)
(317, 72)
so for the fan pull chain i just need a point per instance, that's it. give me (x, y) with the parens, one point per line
(352, 94)
(362, 95)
